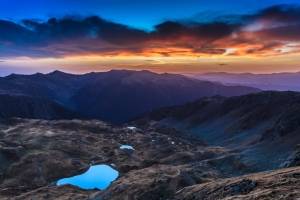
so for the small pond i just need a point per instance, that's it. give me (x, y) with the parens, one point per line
(131, 127)
(98, 176)
(126, 147)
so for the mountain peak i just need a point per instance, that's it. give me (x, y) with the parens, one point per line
(12, 76)
(61, 74)
(133, 71)
(57, 72)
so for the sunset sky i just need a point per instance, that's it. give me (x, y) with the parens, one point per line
(189, 36)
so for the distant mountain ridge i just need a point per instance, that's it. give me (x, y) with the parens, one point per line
(116, 95)
(276, 81)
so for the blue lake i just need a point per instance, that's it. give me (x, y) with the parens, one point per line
(98, 176)
(126, 147)
(131, 127)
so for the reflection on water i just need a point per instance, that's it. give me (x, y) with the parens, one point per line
(131, 127)
(98, 176)
(126, 147)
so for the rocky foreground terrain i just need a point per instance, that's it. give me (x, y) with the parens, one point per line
(279, 184)
(249, 151)
(35, 154)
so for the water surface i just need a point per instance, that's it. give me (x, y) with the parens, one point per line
(126, 147)
(98, 176)
(131, 127)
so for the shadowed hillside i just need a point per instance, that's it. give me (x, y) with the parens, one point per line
(34, 108)
(262, 126)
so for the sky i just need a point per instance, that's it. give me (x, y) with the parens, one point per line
(188, 36)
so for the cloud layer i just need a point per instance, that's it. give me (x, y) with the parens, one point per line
(269, 32)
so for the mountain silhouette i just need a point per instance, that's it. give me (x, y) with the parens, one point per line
(116, 95)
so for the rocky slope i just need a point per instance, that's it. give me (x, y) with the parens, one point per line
(166, 164)
(261, 126)
(34, 154)
(279, 184)
(34, 108)
(102, 95)
(293, 159)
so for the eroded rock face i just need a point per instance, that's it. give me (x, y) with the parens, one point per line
(35, 154)
(243, 187)
(293, 159)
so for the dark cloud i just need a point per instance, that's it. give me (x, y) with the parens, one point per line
(206, 31)
(77, 35)
(222, 64)
(14, 33)
(215, 30)
(212, 51)
(60, 37)
(286, 13)
(90, 27)
(171, 29)
(284, 33)
(270, 45)
(279, 22)
(250, 51)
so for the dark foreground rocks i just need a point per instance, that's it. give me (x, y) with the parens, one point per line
(293, 159)
(35, 154)
(166, 163)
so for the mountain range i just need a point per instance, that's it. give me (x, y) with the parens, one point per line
(115, 96)
(276, 81)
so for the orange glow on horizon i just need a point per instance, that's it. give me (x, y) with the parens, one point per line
(159, 64)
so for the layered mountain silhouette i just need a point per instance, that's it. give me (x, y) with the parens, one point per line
(276, 81)
(115, 96)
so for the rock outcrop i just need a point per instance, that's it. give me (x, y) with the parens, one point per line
(279, 184)
(293, 159)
